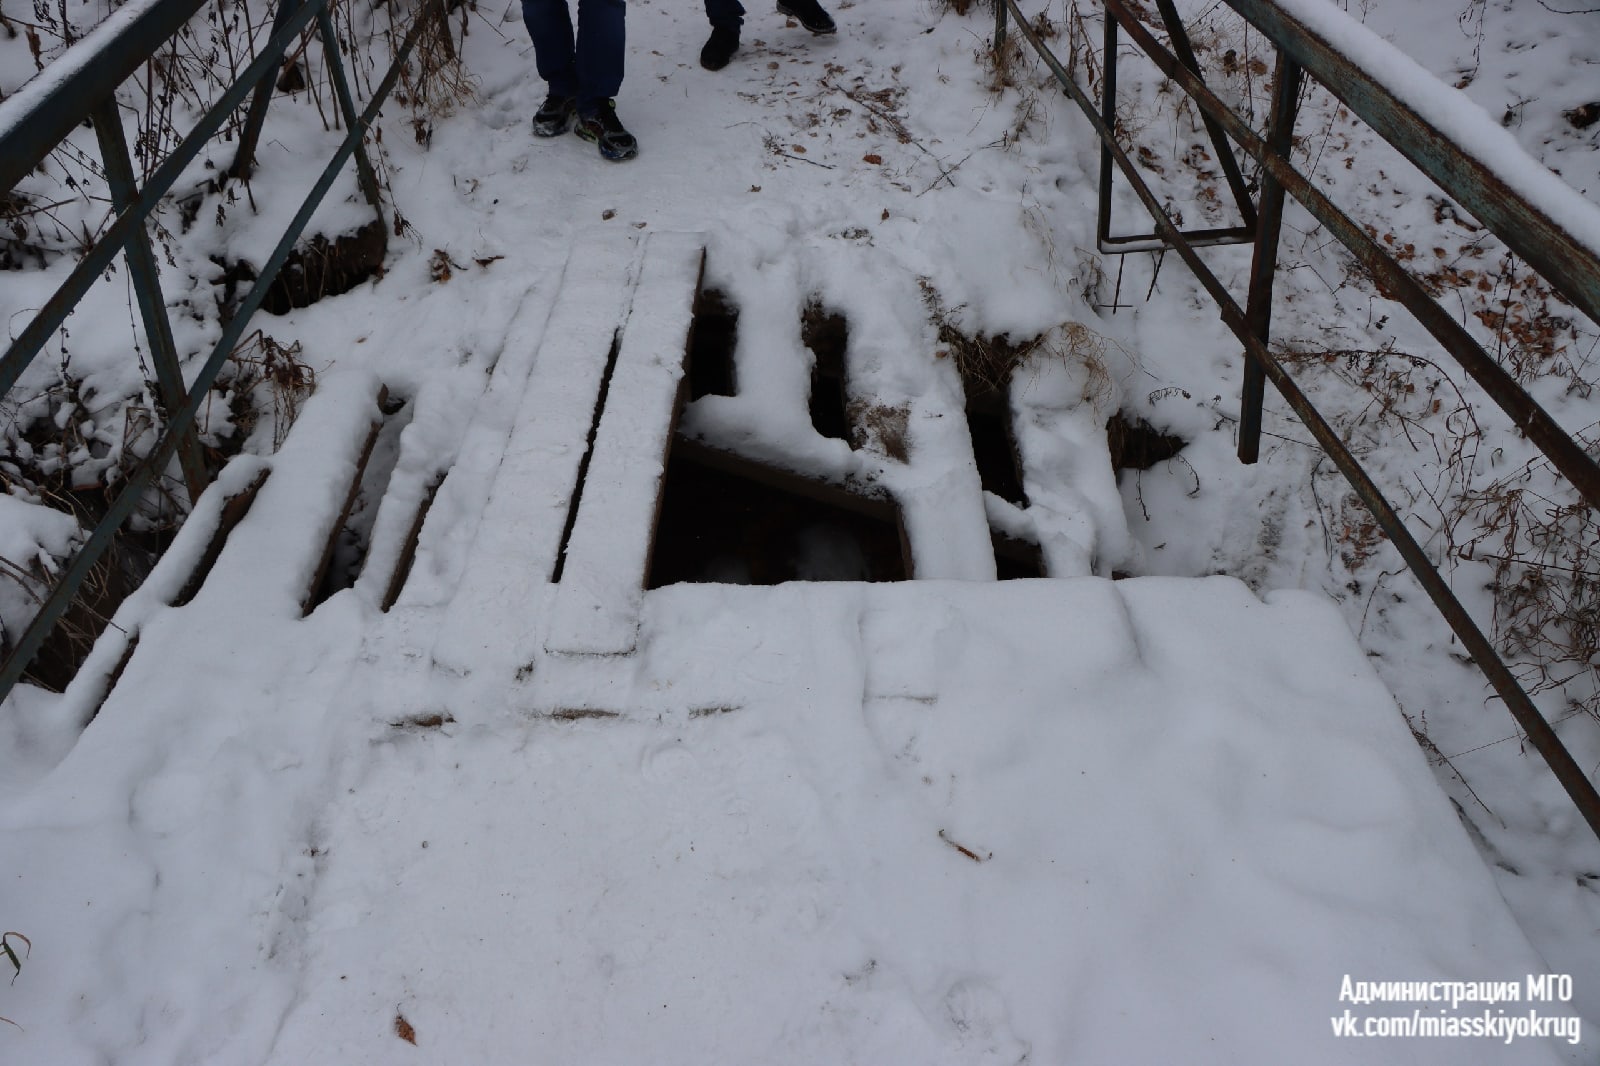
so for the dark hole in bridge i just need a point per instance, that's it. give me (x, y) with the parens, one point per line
(1015, 559)
(994, 446)
(347, 551)
(408, 550)
(827, 335)
(725, 520)
(1137, 445)
(319, 267)
(711, 345)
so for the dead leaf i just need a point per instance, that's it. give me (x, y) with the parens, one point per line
(403, 1030)
(874, 158)
(436, 720)
(439, 266)
(800, 148)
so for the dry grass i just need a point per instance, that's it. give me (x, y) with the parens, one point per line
(435, 82)
(882, 427)
(1542, 545)
(262, 363)
(988, 362)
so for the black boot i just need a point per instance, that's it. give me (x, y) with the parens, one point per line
(809, 14)
(720, 48)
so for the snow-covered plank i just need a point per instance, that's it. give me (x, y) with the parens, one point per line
(275, 558)
(471, 460)
(177, 576)
(519, 537)
(959, 822)
(596, 609)
(240, 558)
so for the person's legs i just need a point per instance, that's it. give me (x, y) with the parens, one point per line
(728, 13)
(583, 70)
(550, 26)
(602, 42)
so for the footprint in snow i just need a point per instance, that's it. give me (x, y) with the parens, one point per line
(979, 1016)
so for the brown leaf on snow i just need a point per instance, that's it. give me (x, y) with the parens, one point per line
(874, 158)
(439, 266)
(403, 1030)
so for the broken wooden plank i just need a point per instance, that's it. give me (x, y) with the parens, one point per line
(596, 606)
(531, 498)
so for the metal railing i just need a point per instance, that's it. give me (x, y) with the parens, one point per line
(1568, 265)
(81, 85)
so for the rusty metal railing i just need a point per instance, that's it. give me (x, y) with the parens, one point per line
(81, 85)
(1571, 267)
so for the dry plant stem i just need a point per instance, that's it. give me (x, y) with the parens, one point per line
(897, 126)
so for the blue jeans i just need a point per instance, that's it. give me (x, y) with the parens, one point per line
(729, 13)
(587, 66)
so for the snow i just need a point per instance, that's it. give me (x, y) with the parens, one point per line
(760, 863)
(32, 534)
(946, 820)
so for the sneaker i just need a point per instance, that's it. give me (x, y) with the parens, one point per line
(720, 48)
(554, 115)
(809, 14)
(606, 130)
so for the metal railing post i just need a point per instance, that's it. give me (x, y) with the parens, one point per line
(1219, 141)
(1142, 242)
(1566, 454)
(143, 273)
(1108, 115)
(244, 159)
(1264, 265)
(1531, 419)
(365, 173)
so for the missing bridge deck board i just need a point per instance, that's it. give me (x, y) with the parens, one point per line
(733, 520)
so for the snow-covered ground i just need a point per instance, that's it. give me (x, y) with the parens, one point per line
(947, 821)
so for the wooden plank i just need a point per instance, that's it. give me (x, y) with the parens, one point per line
(275, 555)
(532, 493)
(861, 497)
(596, 606)
(234, 508)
